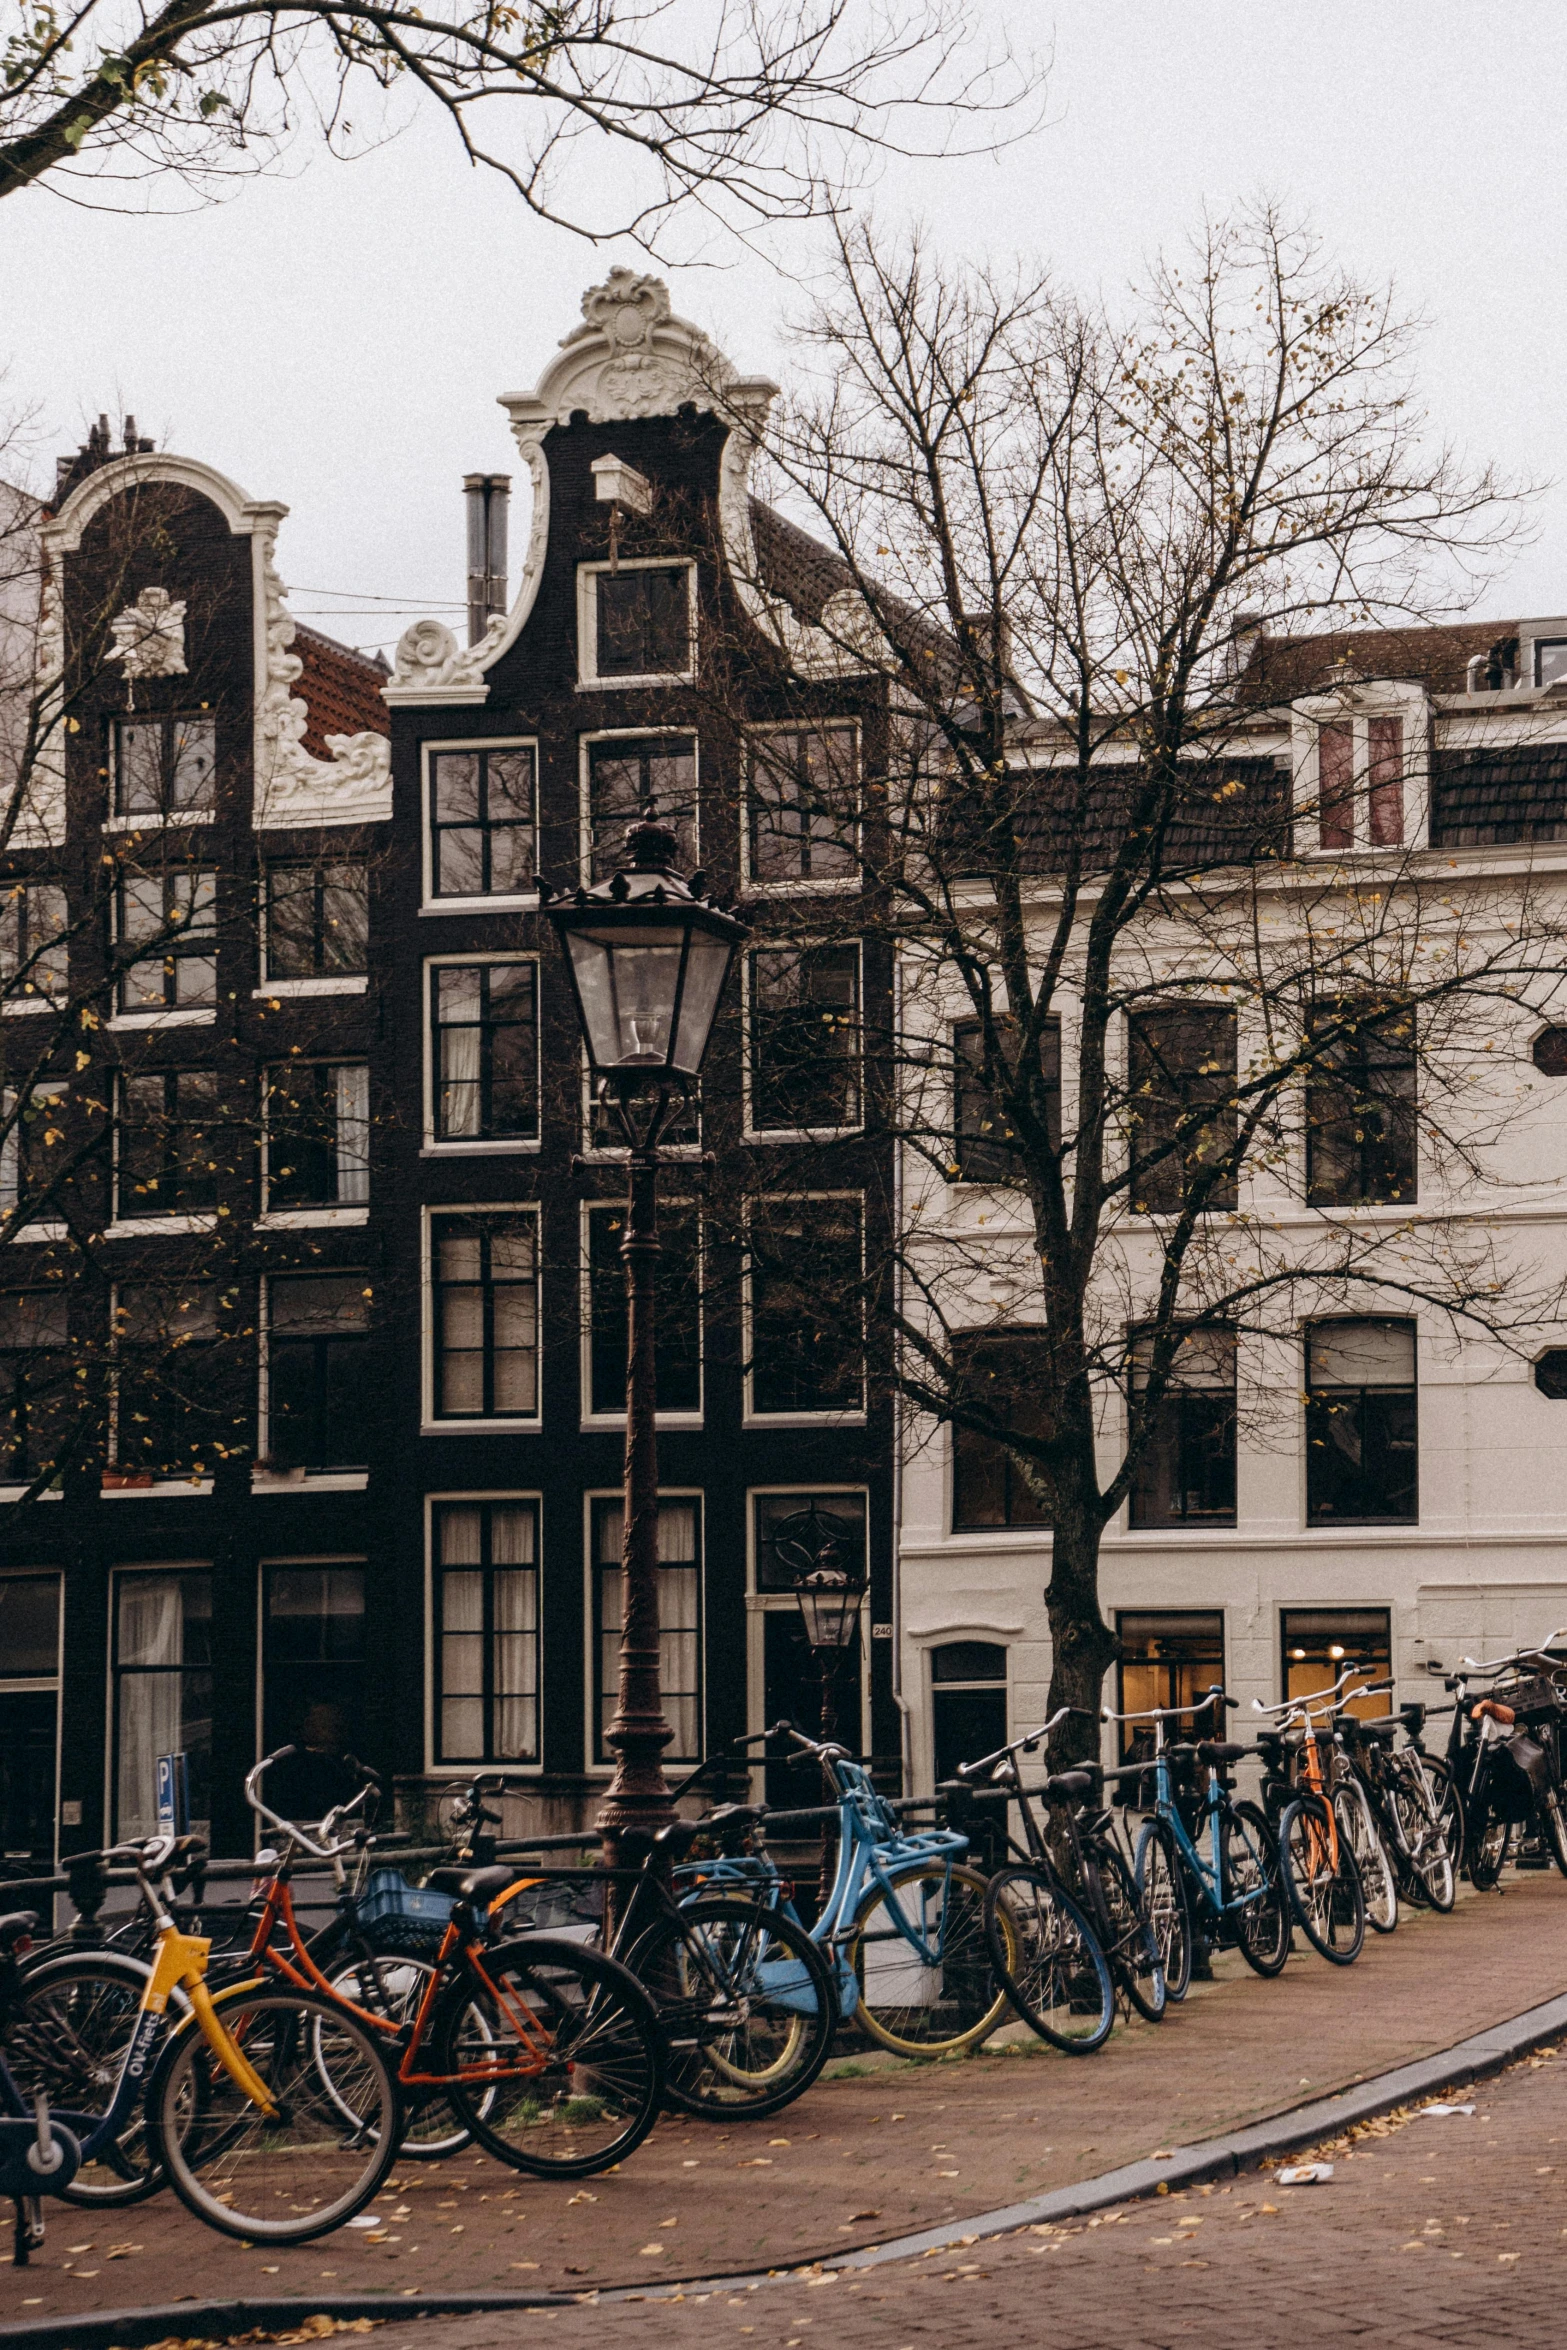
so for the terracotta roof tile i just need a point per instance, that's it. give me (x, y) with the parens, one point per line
(340, 688)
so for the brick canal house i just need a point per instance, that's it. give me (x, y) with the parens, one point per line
(327, 1222)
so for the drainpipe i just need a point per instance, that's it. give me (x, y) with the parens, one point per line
(905, 1718)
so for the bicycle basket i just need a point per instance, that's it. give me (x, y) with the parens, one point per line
(1520, 1775)
(403, 1918)
(1536, 1695)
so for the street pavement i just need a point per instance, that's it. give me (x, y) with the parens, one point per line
(878, 2151)
(1431, 2231)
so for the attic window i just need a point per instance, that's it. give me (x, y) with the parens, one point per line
(1550, 660)
(637, 623)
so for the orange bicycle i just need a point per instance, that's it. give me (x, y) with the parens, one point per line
(550, 2055)
(1316, 1832)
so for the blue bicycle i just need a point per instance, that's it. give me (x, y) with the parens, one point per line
(903, 1924)
(1232, 1894)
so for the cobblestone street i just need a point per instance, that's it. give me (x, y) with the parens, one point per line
(1435, 2232)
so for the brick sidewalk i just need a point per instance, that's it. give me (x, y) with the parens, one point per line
(1436, 2233)
(872, 2155)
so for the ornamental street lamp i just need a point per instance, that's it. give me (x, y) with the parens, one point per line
(828, 1595)
(648, 955)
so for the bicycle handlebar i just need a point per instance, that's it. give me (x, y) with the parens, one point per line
(1172, 1713)
(326, 1827)
(1025, 1745)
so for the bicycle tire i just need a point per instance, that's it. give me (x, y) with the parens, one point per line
(909, 2007)
(1552, 1815)
(1430, 1869)
(74, 2019)
(745, 2002)
(1378, 1878)
(1049, 1960)
(231, 2165)
(431, 2131)
(1261, 1930)
(599, 2024)
(1448, 1804)
(1161, 1884)
(1327, 1900)
(1135, 1963)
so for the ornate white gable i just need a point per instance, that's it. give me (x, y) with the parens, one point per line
(149, 635)
(631, 357)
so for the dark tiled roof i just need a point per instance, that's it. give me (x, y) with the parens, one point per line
(340, 688)
(1232, 812)
(1510, 792)
(795, 566)
(1283, 667)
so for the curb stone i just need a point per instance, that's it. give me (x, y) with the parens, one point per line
(1186, 2166)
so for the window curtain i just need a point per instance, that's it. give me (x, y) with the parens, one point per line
(151, 1711)
(459, 1032)
(515, 1605)
(353, 1135)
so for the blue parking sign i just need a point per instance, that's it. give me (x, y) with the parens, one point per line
(173, 1795)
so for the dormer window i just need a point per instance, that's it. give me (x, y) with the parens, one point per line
(1360, 783)
(1550, 660)
(636, 623)
(1361, 769)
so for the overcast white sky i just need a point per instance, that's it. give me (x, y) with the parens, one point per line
(337, 337)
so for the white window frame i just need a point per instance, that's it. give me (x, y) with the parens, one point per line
(291, 1481)
(588, 576)
(111, 1743)
(592, 1768)
(327, 983)
(335, 1212)
(588, 1208)
(287, 1558)
(793, 1134)
(630, 734)
(432, 1696)
(113, 1466)
(52, 1227)
(429, 1425)
(750, 1417)
(1355, 706)
(37, 999)
(430, 1147)
(833, 885)
(515, 901)
(171, 1015)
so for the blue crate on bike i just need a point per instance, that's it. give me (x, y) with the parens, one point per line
(400, 1916)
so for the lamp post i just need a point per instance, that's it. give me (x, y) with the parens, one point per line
(648, 955)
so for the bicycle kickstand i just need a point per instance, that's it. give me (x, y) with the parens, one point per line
(29, 2230)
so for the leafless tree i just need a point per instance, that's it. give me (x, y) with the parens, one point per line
(1148, 1059)
(605, 115)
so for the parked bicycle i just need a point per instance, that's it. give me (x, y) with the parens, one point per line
(1507, 1774)
(1319, 1819)
(548, 2053)
(1231, 1893)
(273, 2113)
(38, 2155)
(744, 1998)
(1399, 1787)
(1070, 1902)
(902, 1926)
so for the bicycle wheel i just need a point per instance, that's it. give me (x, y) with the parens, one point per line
(1135, 1964)
(1552, 1816)
(918, 2004)
(1254, 1877)
(1326, 1898)
(579, 2049)
(1431, 1874)
(1448, 1805)
(70, 2030)
(1352, 1809)
(1162, 1891)
(394, 1987)
(746, 2004)
(287, 2177)
(1049, 1960)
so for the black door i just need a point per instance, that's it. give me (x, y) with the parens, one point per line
(27, 1746)
(792, 1690)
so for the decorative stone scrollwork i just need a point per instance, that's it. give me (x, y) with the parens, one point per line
(149, 635)
(293, 789)
(432, 664)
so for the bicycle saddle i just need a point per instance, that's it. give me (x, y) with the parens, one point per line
(735, 1815)
(1221, 1750)
(476, 1885)
(679, 1837)
(1068, 1783)
(16, 1927)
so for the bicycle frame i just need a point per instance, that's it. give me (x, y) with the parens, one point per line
(1206, 1876)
